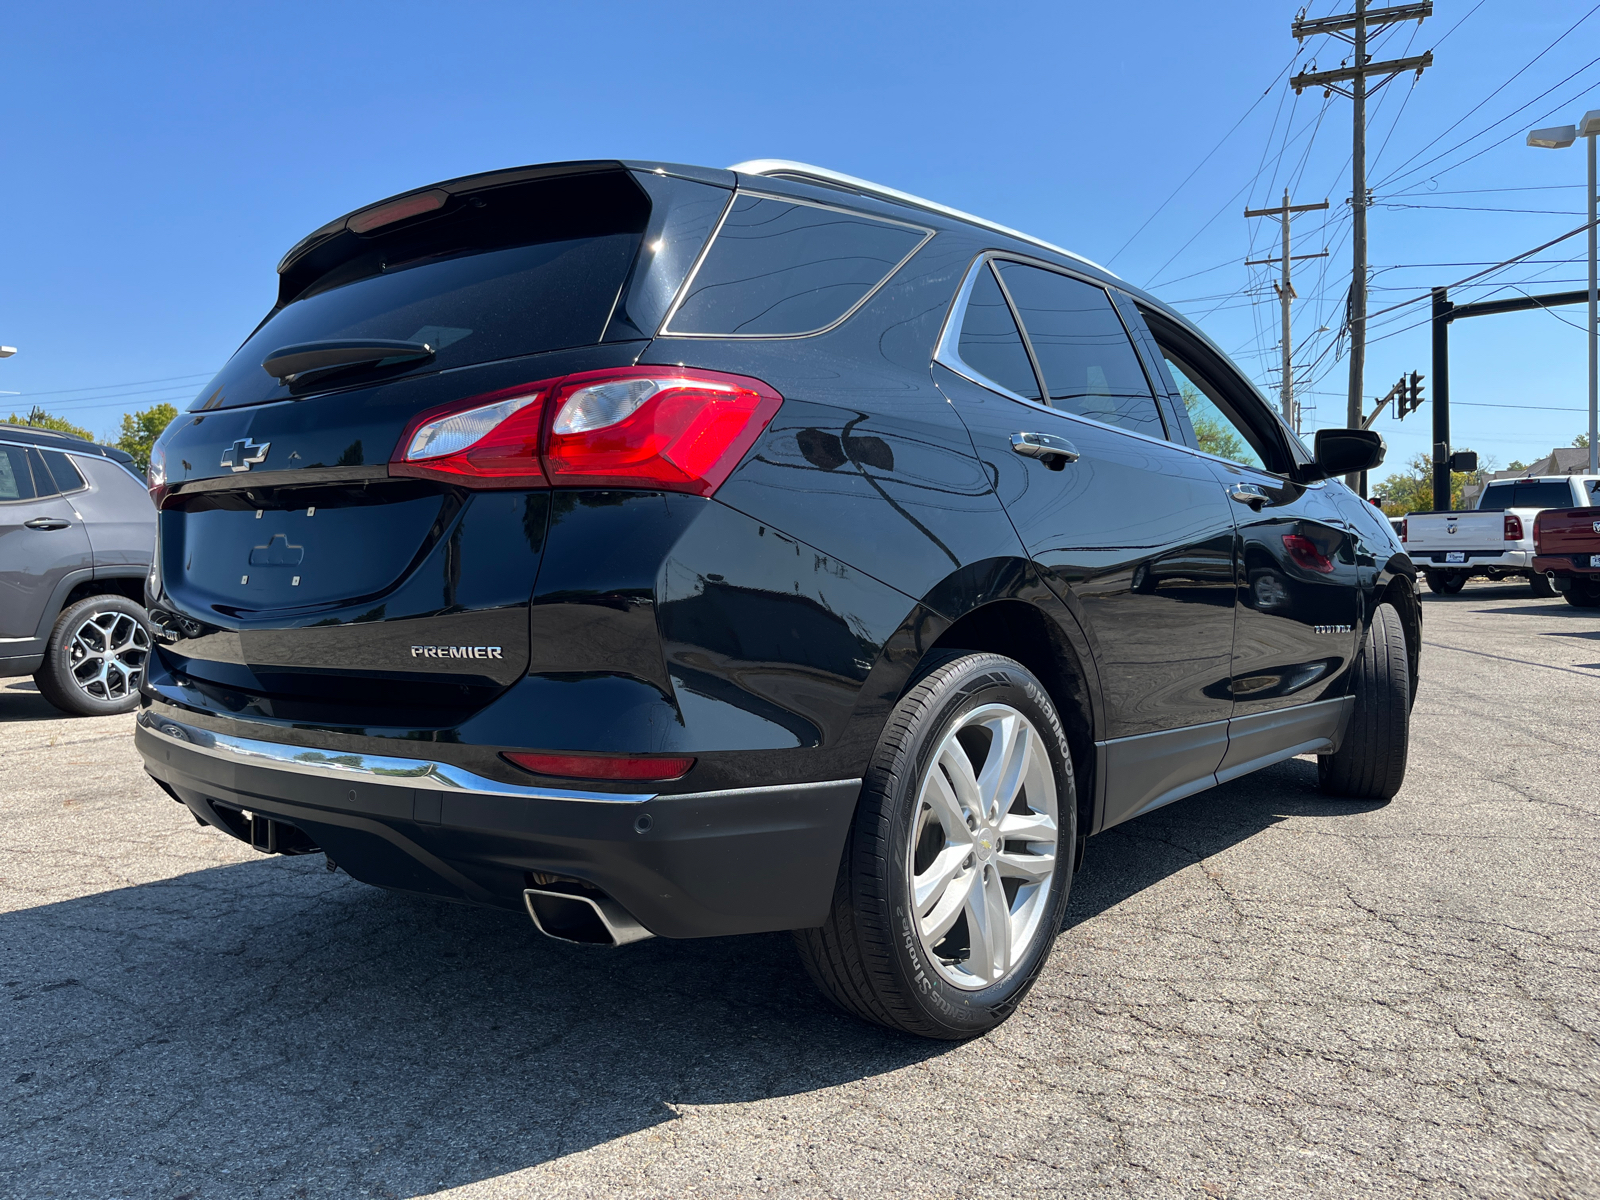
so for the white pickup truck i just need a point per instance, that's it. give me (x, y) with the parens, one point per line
(1496, 538)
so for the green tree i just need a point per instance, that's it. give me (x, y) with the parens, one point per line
(1215, 434)
(40, 419)
(141, 429)
(1413, 491)
(1581, 441)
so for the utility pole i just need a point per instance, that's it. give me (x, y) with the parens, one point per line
(1355, 27)
(1286, 291)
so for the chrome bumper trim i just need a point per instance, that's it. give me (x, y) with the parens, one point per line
(369, 768)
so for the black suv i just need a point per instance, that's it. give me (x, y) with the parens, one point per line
(684, 552)
(77, 531)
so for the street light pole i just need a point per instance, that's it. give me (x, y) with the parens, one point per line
(1559, 137)
(1591, 128)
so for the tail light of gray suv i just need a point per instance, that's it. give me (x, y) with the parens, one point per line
(666, 551)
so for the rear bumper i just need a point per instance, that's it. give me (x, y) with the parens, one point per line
(1564, 565)
(747, 860)
(1476, 560)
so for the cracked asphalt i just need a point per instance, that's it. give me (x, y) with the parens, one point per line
(1260, 992)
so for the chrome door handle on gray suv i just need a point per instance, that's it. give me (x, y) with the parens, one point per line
(47, 523)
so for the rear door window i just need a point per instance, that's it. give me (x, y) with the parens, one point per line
(990, 341)
(16, 480)
(1090, 366)
(785, 268)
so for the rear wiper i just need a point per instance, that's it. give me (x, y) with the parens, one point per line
(291, 363)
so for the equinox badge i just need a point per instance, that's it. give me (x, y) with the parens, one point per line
(244, 453)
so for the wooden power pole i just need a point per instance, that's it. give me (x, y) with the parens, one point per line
(1355, 28)
(1286, 292)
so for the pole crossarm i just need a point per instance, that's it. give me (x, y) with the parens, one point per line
(1389, 68)
(1487, 308)
(1302, 28)
(1272, 262)
(1281, 209)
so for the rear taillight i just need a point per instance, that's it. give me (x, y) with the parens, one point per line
(1513, 528)
(1303, 553)
(155, 474)
(1402, 530)
(673, 429)
(614, 767)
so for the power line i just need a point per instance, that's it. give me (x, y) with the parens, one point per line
(126, 383)
(1466, 115)
(1160, 207)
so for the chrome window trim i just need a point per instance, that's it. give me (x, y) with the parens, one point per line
(783, 166)
(665, 329)
(369, 768)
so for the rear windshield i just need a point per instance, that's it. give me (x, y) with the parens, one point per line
(1554, 493)
(515, 271)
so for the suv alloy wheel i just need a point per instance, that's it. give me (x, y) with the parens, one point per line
(959, 864)
(96, 657)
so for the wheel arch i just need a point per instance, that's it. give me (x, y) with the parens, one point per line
(1022, 630)
(1401, 592)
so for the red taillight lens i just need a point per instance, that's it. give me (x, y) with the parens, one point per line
(678, 430)
(1403, 523)
(1303, 553)
(1513, 528)
(675, 429)
(602, 766)
(489, 441)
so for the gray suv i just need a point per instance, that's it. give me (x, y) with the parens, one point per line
(77, 530)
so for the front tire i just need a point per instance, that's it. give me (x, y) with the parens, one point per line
(96, 657)
(957, 869)
(1371, 762)
(1445, 583)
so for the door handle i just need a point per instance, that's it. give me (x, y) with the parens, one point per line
(1248, 493)
(1055, 452)
(47, 523)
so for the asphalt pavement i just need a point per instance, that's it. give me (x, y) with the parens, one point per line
(1261, 992)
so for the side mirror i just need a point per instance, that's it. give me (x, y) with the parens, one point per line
(1346, 451)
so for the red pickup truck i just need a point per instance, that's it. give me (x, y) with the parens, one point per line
(1566, 551)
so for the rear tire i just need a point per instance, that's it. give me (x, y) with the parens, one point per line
(1583, 593)
(96, 657)
(1445, 583)
(1543, 589)
(1370, 764)
(943, 916)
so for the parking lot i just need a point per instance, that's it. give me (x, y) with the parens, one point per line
(1260, 992)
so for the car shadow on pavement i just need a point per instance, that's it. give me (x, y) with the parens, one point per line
(1141, 853)
(20, 701)
(269, 1028)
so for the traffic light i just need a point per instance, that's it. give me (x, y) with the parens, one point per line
(1408, 397)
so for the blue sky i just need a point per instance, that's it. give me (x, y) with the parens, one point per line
(159, 160)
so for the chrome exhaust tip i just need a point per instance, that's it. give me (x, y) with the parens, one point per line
(582, 920)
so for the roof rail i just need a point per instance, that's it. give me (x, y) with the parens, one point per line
(785, 168)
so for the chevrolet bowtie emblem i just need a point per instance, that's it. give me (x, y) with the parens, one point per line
(244, 454)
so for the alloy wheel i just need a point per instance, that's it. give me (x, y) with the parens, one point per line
(983, 846)
(107, 653)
